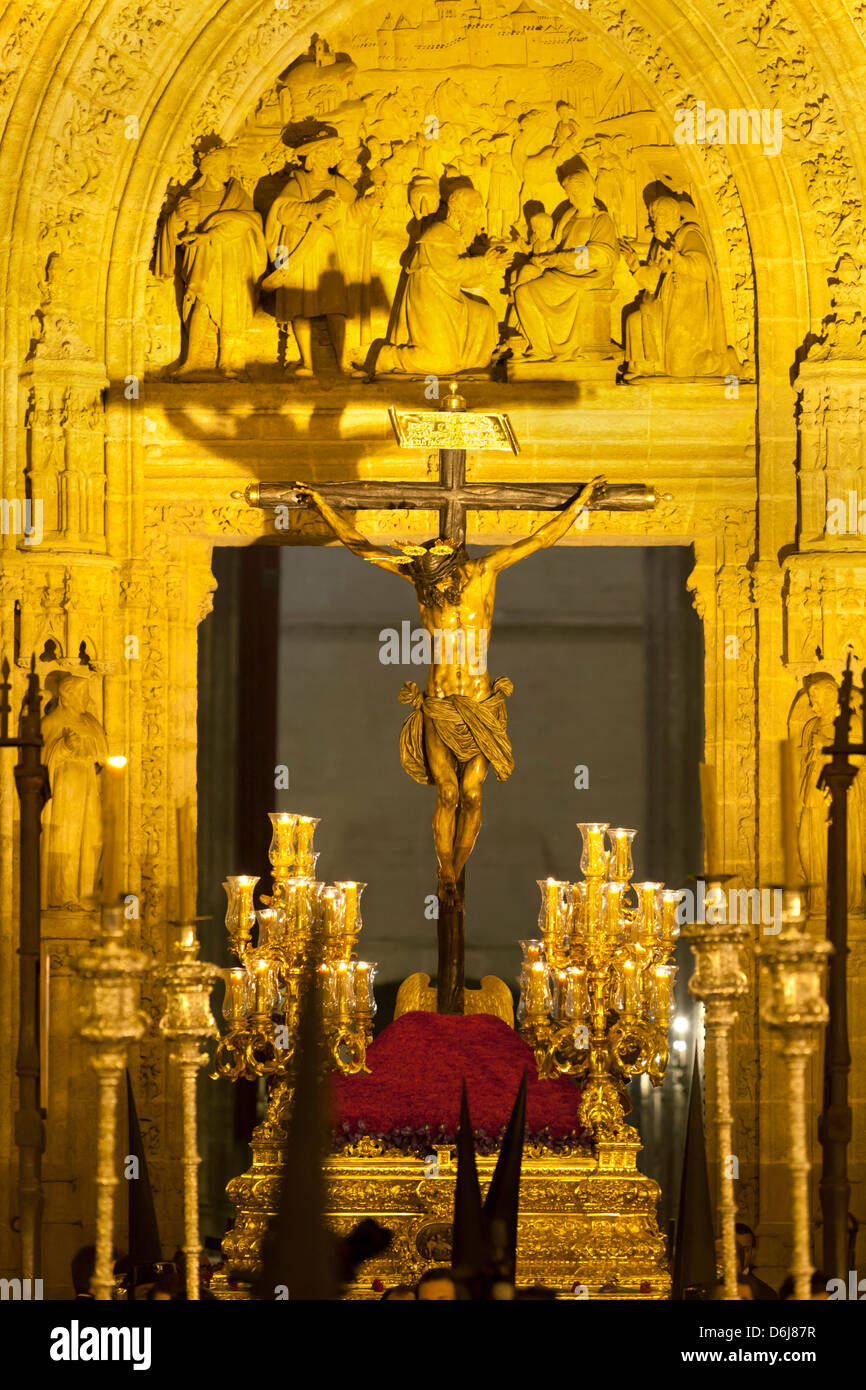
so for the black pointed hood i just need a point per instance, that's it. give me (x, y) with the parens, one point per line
(502, 1203)
(694, 1251)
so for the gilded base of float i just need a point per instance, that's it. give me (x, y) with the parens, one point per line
(586, 1217)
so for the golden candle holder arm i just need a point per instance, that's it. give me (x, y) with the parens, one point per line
(113, 973)
(793, 1004)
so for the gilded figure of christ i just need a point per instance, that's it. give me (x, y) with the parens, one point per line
(457, 728)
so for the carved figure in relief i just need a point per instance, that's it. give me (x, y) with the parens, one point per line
(811, 726)
(223, 259)
(443, 324)
(306, 232)
(75, 749)
(564, 312)
(678, 328)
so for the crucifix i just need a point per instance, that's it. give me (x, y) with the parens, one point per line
(457, 728)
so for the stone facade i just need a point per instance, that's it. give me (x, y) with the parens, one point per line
(104, 110)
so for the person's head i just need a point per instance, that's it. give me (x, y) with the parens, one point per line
(437, 577)
(579, 189)
(81, 1268)
(541, 226)
(823, 695)
(215, 165)
(322, 154)
(665, 216)
(745, 1238)
(72, 692)
(466, 212)
(436, 1284)
(400, 1293)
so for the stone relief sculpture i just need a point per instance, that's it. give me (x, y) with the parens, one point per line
(223, 259)
(811, 727)
(306, 233)
(373, 128)
(75, 748)
(444, 325)
(678, 328)
(564, 312)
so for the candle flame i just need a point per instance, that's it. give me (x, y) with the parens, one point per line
(116, 760)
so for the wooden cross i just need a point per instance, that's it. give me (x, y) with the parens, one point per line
(452, 430)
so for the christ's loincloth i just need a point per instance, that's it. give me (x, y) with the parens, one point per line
(466, 727)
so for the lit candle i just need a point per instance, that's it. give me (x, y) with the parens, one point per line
(113, 815)
(305, 863)
(332, 901)
(539, 997)
(233, 1004)
(364, 972)
(343, 972)
(262, 985)
(550, 898)
(793, 872)
(186, 863)
(631, 986)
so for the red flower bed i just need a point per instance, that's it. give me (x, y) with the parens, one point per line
(417, 1067)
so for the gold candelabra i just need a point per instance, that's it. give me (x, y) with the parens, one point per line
(187, 1022)
(113, 973)
(302, 923)
(597, 987)
(793, 1002)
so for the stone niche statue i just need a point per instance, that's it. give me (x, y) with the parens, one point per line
(223, 260)
(563, 313)
(306, 236)
(811, 727)
(443, 323)
(677, 328)
(75, 749)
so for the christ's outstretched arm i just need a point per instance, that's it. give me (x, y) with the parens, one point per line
(548, 534)
(352, 539)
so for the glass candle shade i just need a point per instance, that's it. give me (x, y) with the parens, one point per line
(365, 972)
(282, 847)
(268, 928)
(333, 913)
(240, 914)
(305, 858)
(630, 976)
(663, 977)
(593, 859)
(577, 915)
(553, 918)
(539, 996)
(573, 994)
(263, 986)
(340, 993)
(670, 926)
(648, 912)
(234, 1003)
(621, 862)
(533, 951)
(352, 891)
(612, 901)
